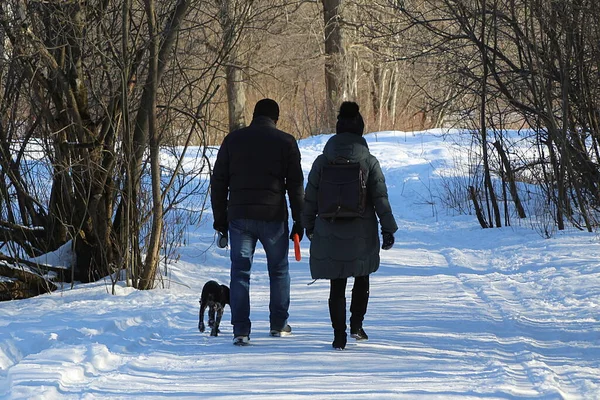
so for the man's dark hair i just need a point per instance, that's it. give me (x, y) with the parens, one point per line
(268, 108)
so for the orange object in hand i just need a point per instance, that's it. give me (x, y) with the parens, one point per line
(297, 247)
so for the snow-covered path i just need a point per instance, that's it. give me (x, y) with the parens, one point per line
(455, 312)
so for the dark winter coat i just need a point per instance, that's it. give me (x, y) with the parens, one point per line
(255, 167)
(345, 248)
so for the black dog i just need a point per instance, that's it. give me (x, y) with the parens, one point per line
(214, 296)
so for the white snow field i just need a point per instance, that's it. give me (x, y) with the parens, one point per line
(456, 312)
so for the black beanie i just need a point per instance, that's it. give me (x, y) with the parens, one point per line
(268, 108)
(348, 110)
(349, 119)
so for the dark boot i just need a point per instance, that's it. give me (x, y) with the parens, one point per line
(358, 307)
(337, 313)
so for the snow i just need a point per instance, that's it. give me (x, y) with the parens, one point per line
(455, 311)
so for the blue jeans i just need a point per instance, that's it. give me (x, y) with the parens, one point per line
(273, 235)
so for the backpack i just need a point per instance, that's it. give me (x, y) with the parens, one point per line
(342, 190)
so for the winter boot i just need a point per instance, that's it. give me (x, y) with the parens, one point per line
(359, 334)
(339, 340)
(358, 307)
(337, 313)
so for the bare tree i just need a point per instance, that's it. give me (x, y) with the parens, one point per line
(231, 15)
(530, 58)
(335, 82)
(99, 86)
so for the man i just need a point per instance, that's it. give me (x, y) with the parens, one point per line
(255, 167)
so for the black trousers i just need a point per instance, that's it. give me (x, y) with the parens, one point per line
(358, 304)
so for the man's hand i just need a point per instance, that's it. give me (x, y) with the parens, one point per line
(222, 239)
(297, 229)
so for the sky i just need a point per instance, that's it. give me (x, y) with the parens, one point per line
(455, 312)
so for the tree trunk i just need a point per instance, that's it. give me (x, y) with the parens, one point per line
(22, 284)
(510, 177)
(146, 271)
(382, 97)
(334, 60)
(81, 189)
(234, 72)
(478, 212)
(375, 88)
(393, 95)
(483, 125)
(557, 198)
(236, 95)
(152, 256)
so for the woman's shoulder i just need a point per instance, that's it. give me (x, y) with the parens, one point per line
(319, 161)
(371, 160)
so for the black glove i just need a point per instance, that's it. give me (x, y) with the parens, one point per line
(222, 239)
(388, 240)
(309, 235)
(221, 228)
(297, 229)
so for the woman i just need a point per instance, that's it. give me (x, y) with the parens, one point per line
(348, 247)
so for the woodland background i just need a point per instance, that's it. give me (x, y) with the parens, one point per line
(91, 93)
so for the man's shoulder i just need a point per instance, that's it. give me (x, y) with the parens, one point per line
(288, 136)
(239, 131)
(257, 133)
(282, 136)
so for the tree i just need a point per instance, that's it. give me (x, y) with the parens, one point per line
(335, 71)
(231, 15)
(531, 58)
(99, 86)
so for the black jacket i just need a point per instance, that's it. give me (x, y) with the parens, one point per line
(345, 248)
(255, 167)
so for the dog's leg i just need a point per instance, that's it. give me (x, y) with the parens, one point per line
(215, 329)
(211, 315)
(201, 326)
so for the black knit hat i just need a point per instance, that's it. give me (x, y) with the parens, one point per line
(268, 108)
(348, 110)
(349, 119)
